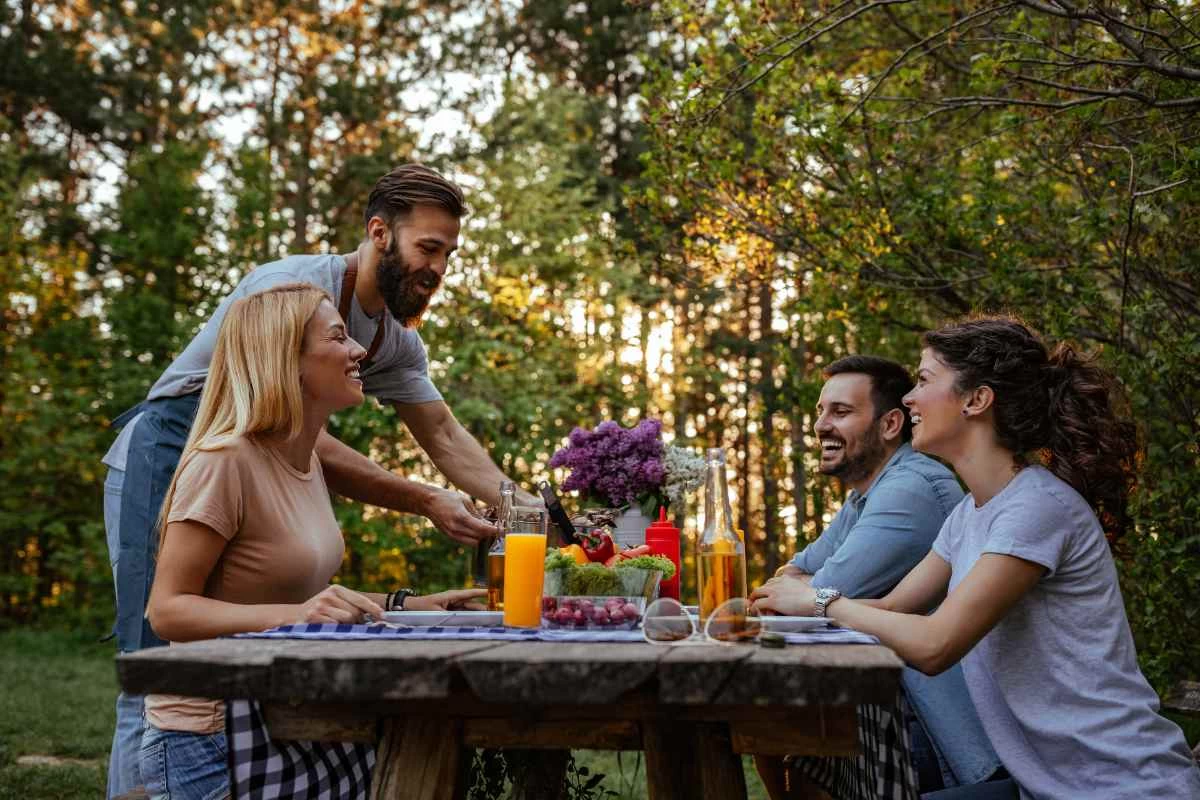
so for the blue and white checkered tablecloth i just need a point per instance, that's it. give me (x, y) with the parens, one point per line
(503, 634)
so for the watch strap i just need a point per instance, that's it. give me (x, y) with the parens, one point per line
(395, 600)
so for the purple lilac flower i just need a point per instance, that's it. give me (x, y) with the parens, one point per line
(612, 464)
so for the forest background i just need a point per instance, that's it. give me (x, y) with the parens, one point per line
(678, 209)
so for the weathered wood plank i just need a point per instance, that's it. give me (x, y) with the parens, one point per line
(546, 673)
(823, 732)
(524, 732)
(372, 671)
(420, 758)
(297, 669)
(638, 707)
(522, 675)
(1184, 698)
(834, 675)
(696, 675)
(720, 769)
(311, 723)
(219, 668)
(670, 765)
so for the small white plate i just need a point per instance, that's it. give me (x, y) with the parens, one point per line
(426, 619)
(795, 624)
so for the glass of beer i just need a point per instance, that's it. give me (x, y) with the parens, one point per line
(495, 575)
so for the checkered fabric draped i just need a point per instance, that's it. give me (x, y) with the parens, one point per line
(328, 630)
(261, 768)
(882, 771)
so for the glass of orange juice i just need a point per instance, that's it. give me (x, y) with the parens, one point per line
(525, 568)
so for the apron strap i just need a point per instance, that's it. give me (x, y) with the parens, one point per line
(347, 297)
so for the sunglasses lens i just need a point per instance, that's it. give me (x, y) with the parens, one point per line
(733, 621)
(666, 621)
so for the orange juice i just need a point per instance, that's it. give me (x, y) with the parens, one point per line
(524, 571)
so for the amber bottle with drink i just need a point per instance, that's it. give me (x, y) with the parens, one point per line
(721, 555)
(495, 556)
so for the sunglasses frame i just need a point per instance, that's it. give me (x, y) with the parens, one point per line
(703, 637)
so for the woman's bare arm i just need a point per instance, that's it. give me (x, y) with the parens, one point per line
(179, 611)
(936, 642)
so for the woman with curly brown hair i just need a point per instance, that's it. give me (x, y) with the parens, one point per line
(1021, 573)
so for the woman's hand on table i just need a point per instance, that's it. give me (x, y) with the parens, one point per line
(338, 604)
(784, 596)
(448, 601)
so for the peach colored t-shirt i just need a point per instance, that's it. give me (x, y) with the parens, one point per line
(284, 544)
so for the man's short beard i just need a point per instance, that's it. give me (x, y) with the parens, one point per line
(858, 466)
(399, 285)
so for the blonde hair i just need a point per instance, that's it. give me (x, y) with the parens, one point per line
(253, 384)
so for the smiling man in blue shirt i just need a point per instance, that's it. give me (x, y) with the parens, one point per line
(897, 502)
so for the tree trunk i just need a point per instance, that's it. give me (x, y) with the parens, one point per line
(770, 403)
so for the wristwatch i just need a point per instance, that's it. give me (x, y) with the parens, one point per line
(824, 598)
(395, 600)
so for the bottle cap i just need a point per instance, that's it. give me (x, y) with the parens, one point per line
(662, 527)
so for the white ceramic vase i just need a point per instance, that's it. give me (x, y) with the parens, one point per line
(631, 528)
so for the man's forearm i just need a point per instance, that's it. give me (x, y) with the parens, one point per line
(353, 475)
(468, 466)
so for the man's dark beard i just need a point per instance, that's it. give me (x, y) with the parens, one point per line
(399, 285)
(858, 466)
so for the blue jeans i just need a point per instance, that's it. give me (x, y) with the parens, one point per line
(944, 708)
(185, 766)
(124, 761)
(132, 499)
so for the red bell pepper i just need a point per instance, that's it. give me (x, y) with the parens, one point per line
(599, 546)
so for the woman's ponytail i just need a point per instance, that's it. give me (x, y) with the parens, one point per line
(1059, 405)
(1091, 443)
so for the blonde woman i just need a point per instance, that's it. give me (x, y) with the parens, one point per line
(249, 540)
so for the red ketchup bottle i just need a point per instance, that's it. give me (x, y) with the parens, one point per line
(663, 539)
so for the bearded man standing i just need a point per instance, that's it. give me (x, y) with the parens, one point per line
(898, 499)
(382, 290)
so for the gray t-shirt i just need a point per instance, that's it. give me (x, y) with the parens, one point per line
(1056, 682)
(399, 371)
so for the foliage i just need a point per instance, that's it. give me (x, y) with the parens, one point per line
(894, 164)
(680, 211)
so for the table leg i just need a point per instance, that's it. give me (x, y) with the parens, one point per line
(420, 758)
(670, 761)
(537, 774)
(721, 774)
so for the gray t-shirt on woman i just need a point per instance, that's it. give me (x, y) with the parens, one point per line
(1056, 682)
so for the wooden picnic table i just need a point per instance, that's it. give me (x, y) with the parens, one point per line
(693, 710)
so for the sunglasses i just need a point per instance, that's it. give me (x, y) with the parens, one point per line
(666, 621)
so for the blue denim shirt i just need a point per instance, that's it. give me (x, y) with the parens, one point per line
(881, 534)
(874, 541)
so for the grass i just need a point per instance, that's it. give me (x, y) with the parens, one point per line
(58, 691)
(625, 773)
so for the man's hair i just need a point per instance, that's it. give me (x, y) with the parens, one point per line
(889, 383)
(409, 185)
